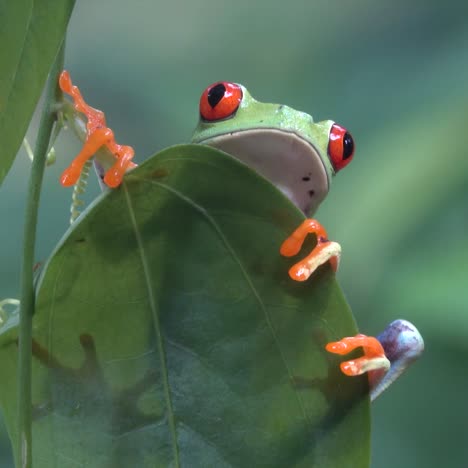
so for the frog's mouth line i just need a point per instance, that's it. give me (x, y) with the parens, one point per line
(290, 162)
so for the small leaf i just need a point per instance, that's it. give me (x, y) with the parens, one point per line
(31, 34)
(168, 332)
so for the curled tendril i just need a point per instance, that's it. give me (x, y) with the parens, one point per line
(79, 189)
(3, 312)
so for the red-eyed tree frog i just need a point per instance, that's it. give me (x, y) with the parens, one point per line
(297, 155)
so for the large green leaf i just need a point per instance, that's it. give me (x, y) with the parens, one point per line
(31, 33)
(168, 332)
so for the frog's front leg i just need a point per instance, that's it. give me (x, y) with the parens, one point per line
(385, 357)
(324, 251)
(98, 135)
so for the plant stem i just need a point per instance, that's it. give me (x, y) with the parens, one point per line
(48, 117)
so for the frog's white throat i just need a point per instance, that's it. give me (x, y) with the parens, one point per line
(285, 159)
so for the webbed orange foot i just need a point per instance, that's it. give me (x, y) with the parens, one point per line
(98, 135)
(323, 252)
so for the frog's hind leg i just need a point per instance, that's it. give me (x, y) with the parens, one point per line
(385, 357)
(98, 135)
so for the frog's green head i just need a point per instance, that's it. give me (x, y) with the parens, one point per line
(286, 146)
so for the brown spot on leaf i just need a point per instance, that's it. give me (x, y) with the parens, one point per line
(160, 173)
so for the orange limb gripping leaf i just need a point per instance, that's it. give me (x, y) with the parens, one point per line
(323, 252)
(374, 358)
(381, 371)
(98, 135)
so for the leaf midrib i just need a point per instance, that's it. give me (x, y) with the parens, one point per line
(157, 327)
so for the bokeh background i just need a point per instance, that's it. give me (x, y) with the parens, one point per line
(396, 75)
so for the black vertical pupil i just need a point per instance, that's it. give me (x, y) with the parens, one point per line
(348, 146)
(215, 94)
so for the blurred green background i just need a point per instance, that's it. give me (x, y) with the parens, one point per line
(396, 75)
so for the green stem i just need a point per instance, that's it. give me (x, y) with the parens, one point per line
(48, 117)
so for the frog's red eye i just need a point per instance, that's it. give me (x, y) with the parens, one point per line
(220, 100)
(340, 147)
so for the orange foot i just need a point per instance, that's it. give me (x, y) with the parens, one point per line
(374, 361)
(323, 252)
(385, 357)
(374, 355)
(98, 134)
